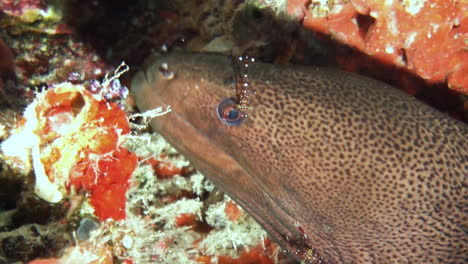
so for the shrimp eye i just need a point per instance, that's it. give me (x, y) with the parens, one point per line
(229, 113)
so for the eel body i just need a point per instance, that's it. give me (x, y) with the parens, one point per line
(336, 167)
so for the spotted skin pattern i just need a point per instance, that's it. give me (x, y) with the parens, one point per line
(336, 167)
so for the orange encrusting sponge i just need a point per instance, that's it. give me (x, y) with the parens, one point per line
(80, 135)
(427, 38)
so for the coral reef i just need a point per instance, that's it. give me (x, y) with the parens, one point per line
(23, 9)
(82, 180)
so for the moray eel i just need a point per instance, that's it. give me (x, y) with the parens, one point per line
(336, 167)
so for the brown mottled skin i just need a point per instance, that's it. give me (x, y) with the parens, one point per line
(336, 167)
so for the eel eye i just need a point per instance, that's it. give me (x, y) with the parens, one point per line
(229, 113)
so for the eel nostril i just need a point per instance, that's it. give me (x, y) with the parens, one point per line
(165, 72)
